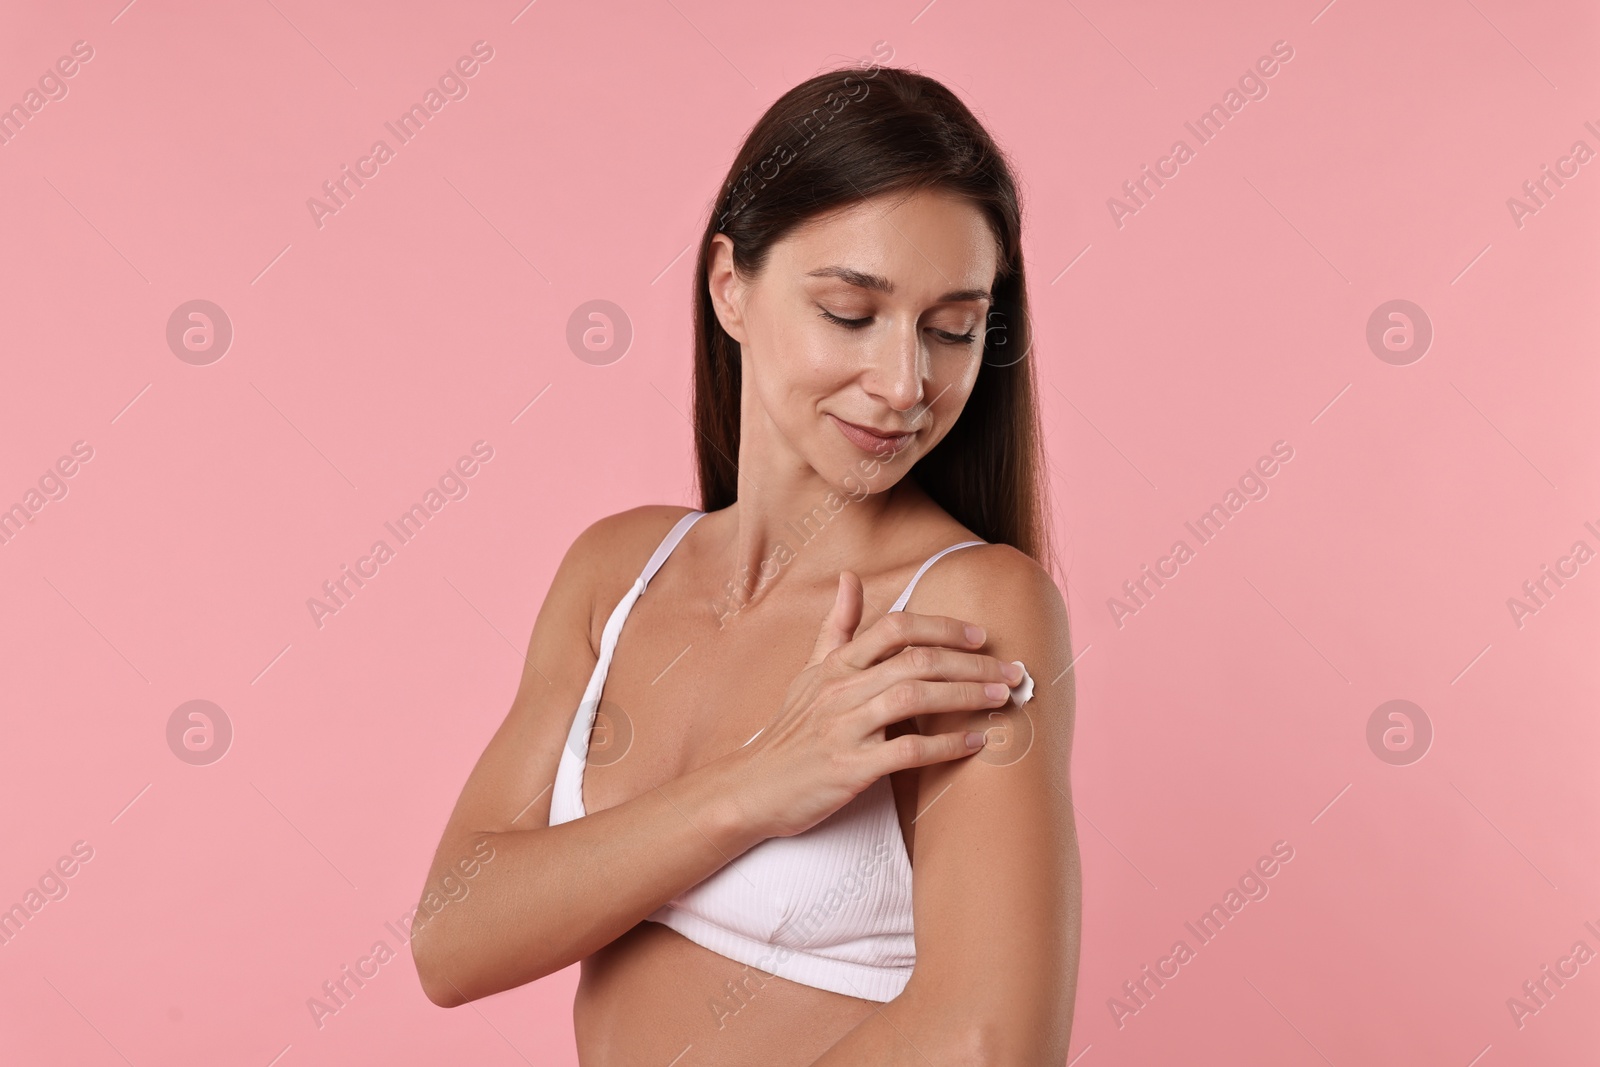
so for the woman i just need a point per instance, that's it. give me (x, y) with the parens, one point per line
(789, 846)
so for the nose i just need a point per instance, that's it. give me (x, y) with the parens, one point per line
(899, 366)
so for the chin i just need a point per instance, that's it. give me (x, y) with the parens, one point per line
(861, 475)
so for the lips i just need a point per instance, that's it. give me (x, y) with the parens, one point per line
(870, 440)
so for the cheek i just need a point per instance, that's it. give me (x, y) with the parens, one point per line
(798, 366)
(790, 380)
(961, 375)
(952, 384)
(788, 347)
(812, 352)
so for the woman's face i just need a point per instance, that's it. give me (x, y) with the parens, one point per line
(866, 322)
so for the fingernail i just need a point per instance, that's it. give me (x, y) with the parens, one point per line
(996, 691)
(1012, 671)
(974, 739)
(975, 634)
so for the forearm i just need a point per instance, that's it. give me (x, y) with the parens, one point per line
(553, 895)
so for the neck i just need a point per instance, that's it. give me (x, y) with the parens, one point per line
(803, 538)
(795, 528)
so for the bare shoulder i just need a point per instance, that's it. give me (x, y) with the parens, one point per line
(998, 587)
(1022, 611)
(593, 575)
(609, 553)
(609, 543)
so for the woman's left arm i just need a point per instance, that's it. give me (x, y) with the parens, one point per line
(997, 887)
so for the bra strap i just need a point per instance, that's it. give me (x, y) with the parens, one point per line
(668, 543)
(899, 605)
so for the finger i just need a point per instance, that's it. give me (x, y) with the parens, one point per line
(921, 750)
(911, 697)
(902, 629)
(932, 663)
(842, 620)
(946, 665)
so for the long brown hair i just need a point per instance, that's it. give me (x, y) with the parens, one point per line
(839, 138)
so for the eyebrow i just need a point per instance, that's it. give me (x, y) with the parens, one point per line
(863, 280)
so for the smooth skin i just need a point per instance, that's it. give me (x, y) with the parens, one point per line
(874, 315)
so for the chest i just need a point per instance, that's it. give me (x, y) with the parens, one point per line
(682, 691)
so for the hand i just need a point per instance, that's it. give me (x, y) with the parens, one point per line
(827, 743)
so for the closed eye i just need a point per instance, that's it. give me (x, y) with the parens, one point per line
(856, 324)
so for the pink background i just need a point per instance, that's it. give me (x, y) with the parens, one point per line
(368, 354)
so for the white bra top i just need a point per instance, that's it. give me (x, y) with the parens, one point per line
(830, 907)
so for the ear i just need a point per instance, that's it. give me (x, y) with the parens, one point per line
(727, 289)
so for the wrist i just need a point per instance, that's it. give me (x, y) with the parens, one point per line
(730, 821)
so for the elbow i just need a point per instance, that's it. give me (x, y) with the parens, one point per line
(992, 1043)
(987, 1045)
(443, 996)
(434, 973)
(451, 976)
(971, 1042)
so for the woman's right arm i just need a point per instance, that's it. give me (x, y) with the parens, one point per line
(543, 897)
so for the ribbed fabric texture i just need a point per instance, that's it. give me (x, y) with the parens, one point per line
(829, 908)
